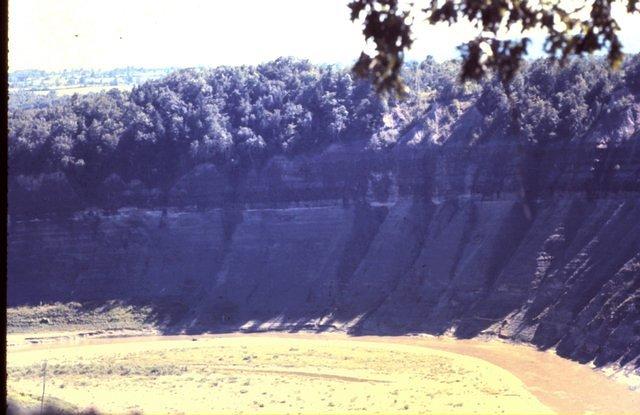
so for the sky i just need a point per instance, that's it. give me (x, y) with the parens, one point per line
(105, 34)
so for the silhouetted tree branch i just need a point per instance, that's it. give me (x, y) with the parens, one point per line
(568, 32)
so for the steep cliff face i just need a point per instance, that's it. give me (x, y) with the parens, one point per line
(537, 244)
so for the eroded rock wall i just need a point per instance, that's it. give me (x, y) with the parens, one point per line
(536, 245)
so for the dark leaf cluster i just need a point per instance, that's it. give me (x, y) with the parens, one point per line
(569, 32)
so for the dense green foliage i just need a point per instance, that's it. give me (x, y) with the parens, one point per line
(230, 116)
(239, 117)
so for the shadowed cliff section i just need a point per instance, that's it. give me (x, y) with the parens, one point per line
(488, 240)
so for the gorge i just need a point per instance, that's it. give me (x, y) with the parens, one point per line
(440, 233)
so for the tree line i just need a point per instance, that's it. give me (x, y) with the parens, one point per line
(237, 118)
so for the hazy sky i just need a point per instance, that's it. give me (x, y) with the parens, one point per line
(58, 34)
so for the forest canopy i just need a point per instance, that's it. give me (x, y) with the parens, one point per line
(237, 118)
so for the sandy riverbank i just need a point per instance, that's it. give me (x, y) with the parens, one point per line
(310, 373)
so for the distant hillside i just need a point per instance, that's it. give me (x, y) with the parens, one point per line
(36, 88)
